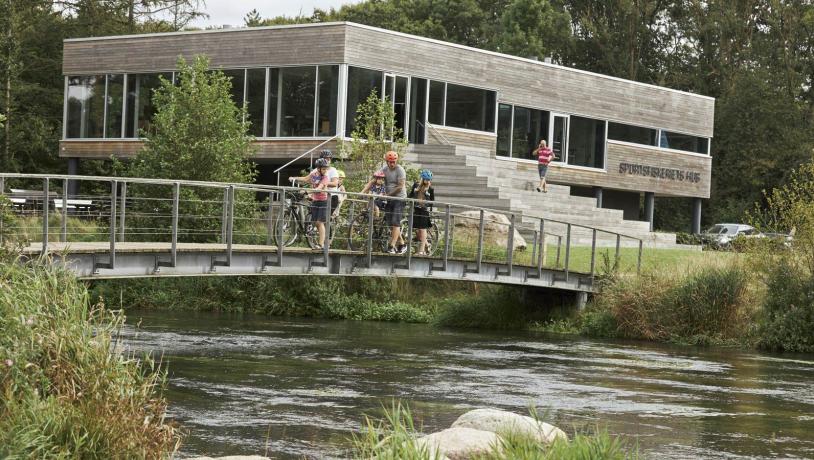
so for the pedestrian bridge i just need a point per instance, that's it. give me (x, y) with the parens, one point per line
(114, 227)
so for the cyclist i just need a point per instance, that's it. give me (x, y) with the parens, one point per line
(394, 179)
(333, 177)
(377, 188)
(424, 195)
(318, 178)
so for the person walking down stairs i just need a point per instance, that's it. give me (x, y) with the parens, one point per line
(544, 157)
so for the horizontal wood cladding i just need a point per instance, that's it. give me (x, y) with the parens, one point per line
(99, 150)
(463, 138)
(232, 48)
(645, 170)
(533, 84)
(288, 149)
(281, 149)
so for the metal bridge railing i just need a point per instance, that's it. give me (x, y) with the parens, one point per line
(38, 208)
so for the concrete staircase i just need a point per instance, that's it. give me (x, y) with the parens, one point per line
(471, 176)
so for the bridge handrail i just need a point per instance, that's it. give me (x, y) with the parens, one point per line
(283, 188)
(277, 190)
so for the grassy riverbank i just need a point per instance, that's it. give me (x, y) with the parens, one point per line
(65, 391)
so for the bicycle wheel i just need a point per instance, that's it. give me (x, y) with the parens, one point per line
(358, 232)
(289, 230)
(433, 238)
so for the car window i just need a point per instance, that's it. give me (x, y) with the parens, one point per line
(715, 229)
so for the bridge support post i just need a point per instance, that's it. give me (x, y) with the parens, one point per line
(122, 201)
(45, 199)
(64, 236)
(581, 300)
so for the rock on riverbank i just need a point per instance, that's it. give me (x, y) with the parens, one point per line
(479, 431)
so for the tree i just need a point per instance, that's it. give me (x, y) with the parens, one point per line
(197, 134)
(374, 134)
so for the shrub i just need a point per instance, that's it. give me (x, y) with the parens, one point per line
(709, 305)
(788, 312)
(497, 308)
(65, 391)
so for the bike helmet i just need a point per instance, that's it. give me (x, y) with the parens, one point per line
(326, 154)
(321, 163)
(391, 156)
(341, 173)
(426, 174)
(378, 174)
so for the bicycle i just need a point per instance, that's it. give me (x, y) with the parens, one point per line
(297, 222)
(360, 226)
(359, 229)
(433, 237)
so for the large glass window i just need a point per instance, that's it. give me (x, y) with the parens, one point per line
(630, 133)
(140, 88)
(86, 106)
(327, 99)
(470, 108)
(418, 109)
(297, 98)
(115, 96)
(361, 82)
(273, 103)
(530, 126)
(586, 142)
(504, 127)
(684, 142)
(437, 95)
(238, 79)
(255, 104)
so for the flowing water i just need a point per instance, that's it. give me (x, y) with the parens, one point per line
(300, 388)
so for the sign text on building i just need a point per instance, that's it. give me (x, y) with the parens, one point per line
(660, 173)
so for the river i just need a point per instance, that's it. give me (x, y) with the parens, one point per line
(294, 388)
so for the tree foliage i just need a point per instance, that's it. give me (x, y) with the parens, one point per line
(374, 134)
(197, 133)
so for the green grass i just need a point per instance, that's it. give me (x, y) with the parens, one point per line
(393, 436)
(65, 391)
(29, 229)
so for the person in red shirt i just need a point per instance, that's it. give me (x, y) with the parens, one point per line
(544, 157)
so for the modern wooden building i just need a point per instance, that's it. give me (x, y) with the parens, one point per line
(301, 85)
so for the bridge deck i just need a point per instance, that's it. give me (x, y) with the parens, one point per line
(151, 259)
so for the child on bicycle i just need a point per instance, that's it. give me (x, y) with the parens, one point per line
(377, 188)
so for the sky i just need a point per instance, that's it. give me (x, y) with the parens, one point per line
(232, 12)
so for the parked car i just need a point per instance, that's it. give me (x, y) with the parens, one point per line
(722, 234)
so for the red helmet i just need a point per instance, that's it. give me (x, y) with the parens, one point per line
(391, 156)
(379, 174)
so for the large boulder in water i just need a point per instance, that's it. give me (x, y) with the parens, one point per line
(459, 443)
(495, 229)
(499, 421)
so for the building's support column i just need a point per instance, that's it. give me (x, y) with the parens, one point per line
(696, 216)
(649, 205)
(73, 170)
(598, 196)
